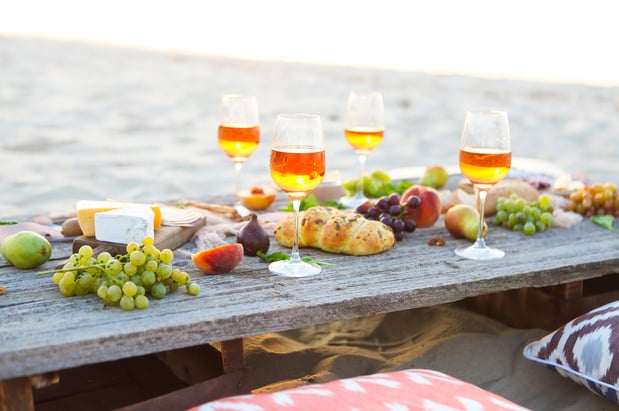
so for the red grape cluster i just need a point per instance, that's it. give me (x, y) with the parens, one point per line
(391, 212)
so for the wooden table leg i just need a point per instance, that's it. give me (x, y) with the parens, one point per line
(16, 395)
(233, 381)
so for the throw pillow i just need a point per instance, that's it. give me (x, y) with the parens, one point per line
(585, 350)
(414, 389)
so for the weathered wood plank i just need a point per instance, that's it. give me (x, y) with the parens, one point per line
(42, 331)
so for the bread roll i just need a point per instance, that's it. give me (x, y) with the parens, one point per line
(465, 193)
(506, 188)
(336, 231)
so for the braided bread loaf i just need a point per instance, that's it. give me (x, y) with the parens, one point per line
(336, 231)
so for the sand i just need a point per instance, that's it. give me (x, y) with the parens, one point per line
(88, 121)
(81, 120)
(444, 338)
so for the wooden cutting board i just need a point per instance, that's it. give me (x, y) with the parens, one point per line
(165, 237)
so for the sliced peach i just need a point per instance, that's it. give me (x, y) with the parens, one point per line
(219, 260)
(258, 198)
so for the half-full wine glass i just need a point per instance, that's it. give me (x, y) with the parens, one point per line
(485, 159)
(363, 130)
(297, 167)
(239, 134)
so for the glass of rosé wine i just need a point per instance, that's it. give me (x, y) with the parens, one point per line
(239, 134)
(297, 167)
(363, 130)
(485, 159)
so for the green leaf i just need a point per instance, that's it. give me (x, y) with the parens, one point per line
(310, 201)
(9, 222)
(604, 221)
(280, 255)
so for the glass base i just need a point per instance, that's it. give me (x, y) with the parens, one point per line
(241, 209)
(287, 268)
(475, 252)
(353, 202)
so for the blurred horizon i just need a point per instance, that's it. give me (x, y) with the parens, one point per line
(563, 42)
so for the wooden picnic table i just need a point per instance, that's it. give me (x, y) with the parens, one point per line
(41, 331)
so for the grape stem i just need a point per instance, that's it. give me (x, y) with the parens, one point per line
(81, 267)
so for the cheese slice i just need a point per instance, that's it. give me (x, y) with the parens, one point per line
(86, 210)
(125, 225)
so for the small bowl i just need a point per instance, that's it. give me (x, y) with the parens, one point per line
(329, 190)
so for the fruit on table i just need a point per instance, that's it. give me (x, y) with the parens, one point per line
(126, 281)
(257, 198)
(462, 221)
(429, 209)
(219, 260)
(376, 185)
(26, 249)
(530, 217)
(390, 211)
(435, 177)
(596, 199)
(253, 237)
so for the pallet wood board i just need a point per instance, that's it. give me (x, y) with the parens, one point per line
(170, 237)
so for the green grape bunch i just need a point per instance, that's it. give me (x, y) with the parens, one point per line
(528, 217)
(126, 280)
(376, 185)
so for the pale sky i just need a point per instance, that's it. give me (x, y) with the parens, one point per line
(564, 41)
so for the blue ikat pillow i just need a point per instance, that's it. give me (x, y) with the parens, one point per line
(585, 350)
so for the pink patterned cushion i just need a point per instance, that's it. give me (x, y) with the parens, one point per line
(585, 350)
(399, 390)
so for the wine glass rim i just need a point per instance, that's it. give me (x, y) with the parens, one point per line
(238, 95)
(366, 93)
(299, 115)
(487, 111)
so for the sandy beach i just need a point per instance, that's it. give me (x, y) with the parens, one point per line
(90, 121)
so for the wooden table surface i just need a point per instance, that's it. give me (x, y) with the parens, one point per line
(42, 331)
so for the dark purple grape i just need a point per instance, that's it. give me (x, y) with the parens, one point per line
(386, 219)
(413, 202)
(395, 210)
(409, 226)
(382, 204)
(373, 212)
(398, 236)
(398, 226)
(394, 199)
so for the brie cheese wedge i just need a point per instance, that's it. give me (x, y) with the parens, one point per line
(125, 225)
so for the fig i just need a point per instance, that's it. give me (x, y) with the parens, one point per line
(253, 237)
(26, 249)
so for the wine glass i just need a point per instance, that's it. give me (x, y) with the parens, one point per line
(297, 167)
(363, 130)
(239, 134)
(485, 159)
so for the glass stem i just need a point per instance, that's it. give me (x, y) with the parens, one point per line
(294, 256)
(362, 159)
(481, 197)
(238, 165)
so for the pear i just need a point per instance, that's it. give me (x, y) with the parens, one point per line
(462, 221)
(435, 177)
(26, 249)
